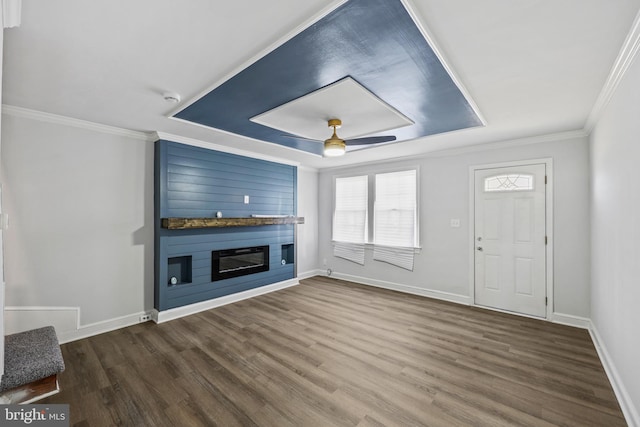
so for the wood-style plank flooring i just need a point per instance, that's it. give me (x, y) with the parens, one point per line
(334, 353)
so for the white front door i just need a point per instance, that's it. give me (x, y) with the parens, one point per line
(510, 234)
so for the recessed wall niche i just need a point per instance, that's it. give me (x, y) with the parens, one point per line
(287, 254)
(179, 270)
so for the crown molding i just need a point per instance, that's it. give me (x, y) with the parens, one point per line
(41, 116)
(154, 136)
(510, 143)
(447, 152)
(12, 110)
(11, 13)
(218, 147)
(622, 63)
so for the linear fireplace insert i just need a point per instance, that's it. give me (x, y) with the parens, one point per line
(229, 263)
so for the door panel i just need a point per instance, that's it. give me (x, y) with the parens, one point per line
(523, 220)
(510, 229)
(492, 272)
(492, 219)
(524, 276)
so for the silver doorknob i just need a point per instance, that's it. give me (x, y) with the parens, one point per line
(480, 248)
(479, 239)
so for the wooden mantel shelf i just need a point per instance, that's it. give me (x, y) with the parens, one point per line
(188, 223)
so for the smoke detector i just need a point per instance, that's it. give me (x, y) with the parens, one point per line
(171, 97)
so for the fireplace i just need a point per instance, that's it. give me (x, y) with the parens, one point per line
(229, 263)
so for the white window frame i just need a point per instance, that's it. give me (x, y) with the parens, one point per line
(369, 242)
(367, 218)
(415, 238)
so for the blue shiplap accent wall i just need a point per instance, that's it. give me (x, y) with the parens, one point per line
(194, 182)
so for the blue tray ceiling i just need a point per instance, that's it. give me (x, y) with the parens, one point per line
(376, 42)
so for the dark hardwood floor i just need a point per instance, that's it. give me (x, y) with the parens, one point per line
(330, 352)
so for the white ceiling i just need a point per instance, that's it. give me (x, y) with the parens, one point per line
(532, 67)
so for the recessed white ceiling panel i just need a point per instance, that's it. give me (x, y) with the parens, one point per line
(362, 113)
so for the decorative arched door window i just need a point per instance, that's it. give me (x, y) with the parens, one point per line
(508, 182)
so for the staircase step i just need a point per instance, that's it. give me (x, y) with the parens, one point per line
(32, 361)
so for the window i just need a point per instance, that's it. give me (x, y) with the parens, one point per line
(509, 182)
(395, 209)
(350, 215)
(391, 199)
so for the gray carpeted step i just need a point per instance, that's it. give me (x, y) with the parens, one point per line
(30, 356)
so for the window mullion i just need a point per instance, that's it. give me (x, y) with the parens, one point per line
(371, 208)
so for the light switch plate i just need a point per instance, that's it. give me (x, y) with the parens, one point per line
(455, 222)
(246, 200)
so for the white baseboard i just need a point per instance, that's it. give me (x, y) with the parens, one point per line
(25, 318)
(101, 327)
(445, 296)
(311, 273)
(626, 404)
(65, 320)
(175, 313)
(570, 320)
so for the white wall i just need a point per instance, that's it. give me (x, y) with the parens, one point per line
(441, 269)
(615, 205)
(2, 285)
(81, 236)
(81, 209)
(307, 233)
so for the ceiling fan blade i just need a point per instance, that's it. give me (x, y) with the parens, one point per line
(370, 140)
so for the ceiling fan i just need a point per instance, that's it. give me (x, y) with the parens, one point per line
(336, 146)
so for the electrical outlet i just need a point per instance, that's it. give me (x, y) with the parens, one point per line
(145, 318)
(246, 200)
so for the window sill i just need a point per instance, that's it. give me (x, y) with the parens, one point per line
(371, 246)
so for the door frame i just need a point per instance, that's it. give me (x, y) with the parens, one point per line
(548, 162)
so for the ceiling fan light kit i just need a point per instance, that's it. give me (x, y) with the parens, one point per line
(334, 147)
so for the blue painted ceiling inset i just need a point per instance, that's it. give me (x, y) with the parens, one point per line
(375, 42)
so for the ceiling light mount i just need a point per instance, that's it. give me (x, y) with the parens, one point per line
(335, 123)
